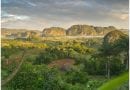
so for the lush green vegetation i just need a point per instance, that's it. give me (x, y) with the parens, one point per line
(115, 83)
(96, 62)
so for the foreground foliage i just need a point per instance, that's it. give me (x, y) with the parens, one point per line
(94, 64)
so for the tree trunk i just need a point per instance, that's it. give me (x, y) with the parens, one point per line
(108, 68)
(108, 72)
(127, 61)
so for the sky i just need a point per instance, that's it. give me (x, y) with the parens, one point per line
(40, 14)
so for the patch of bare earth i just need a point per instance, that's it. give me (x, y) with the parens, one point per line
(63, 64)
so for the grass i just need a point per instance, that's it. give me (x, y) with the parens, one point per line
(115, 83)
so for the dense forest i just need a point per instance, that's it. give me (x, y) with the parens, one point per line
(65, 64)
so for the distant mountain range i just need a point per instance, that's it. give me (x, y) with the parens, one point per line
(75, 30)
(18, 33)
(80, 30)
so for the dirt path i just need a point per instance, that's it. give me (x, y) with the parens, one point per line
(11, 76)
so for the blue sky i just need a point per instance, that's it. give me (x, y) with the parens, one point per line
(40, 14)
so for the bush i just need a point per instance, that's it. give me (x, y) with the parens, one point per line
(76, 76)
(36, 77)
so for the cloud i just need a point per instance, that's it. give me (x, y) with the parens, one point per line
(53, 12)
(6, 17)
(123, 17)
(30, 3)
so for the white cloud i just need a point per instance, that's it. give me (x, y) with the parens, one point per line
(11, 17)
(66, 12)
(124, 16)
(121, 16)
(30, 3)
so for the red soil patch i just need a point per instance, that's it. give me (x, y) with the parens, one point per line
(62, 63)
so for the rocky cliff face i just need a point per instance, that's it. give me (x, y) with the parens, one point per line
(81, 30)
(104, 30)
(88, 30)
(75, 30)
(54, 31)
